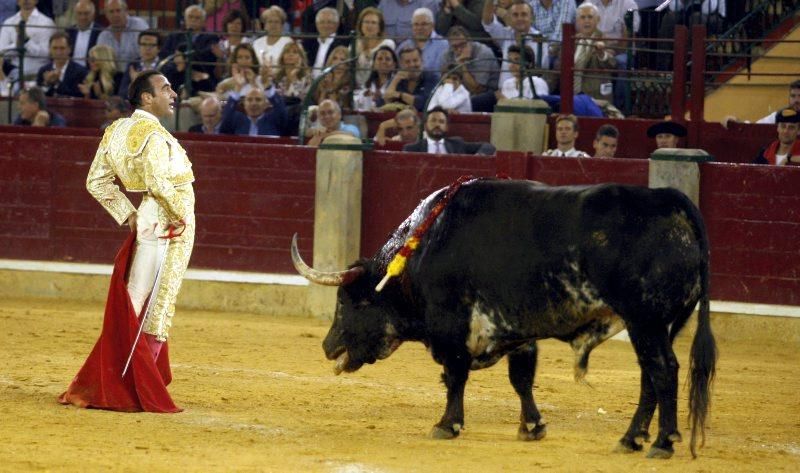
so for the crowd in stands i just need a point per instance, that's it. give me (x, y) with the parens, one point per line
(249, 67)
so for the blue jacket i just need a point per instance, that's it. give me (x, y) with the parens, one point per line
(73, 75)
(271, 123)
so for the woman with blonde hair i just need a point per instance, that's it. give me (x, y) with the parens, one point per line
(338, 84)
(292, 79)
(103, 79)
(370, 35)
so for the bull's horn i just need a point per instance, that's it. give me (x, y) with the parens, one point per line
(333, 278)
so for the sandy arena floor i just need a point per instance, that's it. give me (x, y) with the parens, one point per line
(259, 395)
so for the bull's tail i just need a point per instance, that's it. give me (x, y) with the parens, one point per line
(703, 357)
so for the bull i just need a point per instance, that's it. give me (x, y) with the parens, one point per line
(507, 263)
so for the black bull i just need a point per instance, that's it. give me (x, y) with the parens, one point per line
(510, 262)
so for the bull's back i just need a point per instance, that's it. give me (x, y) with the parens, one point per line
(547, 258)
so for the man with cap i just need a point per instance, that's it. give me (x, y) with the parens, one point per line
(666, 134)
(786, 149)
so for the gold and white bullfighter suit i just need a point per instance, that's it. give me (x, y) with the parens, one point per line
(148, 159)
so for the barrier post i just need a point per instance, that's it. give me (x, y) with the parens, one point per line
(519, 125)
(678, 168)
(567, 67)
(337, 214)
(698, 91)
(677, 104)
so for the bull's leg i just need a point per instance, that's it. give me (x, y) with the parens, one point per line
(521, 372)
(659, 365)
(456, 372)
(638, 432)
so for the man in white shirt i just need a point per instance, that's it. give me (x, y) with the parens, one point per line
(38, 29)
(451, 94)
(83, 35)
(317, 48)
(437, 142)
(566, 134)
(521, 17)
(122, 33)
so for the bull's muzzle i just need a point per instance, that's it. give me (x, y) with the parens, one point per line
(331, 278)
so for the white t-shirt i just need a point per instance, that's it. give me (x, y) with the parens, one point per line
(266, 52)
(451, 99)
(510, 90)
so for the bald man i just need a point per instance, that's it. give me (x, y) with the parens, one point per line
(122, 34)
(84, 33)
(210, 116)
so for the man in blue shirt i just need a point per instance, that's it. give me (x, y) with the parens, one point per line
(330, 120)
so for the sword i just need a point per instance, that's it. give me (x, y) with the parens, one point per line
(149, 306)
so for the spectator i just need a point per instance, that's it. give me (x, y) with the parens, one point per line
(84, 33)
(347, 18)
(61, 76)
(122, 34)
(330, 121)
(371, 35)
(590, 53)
(510, 88)
(501, 11)
(437, 142)
(405, 124)
(786, 149)
(465, 14)
(33, 110)
(411, 86)
(451, 95)
(234, 25)
(337, 85)
(263, 115)
(149, 42)
(506, 36)
(293, 79)
(210, 116)
(549, 15)
(566, 134)
(243, 70)
(399, 15)
(666, 133)
(479, 71)
(319, 48)
(612, 25)
(384, 67)
(7, 9)
(206, 52)
(710, 13)
(38, 29)
(605, 141)
(424, 37)
(103, 79)
(116, 108)
(216, 10)
(269, 47)
(794, 103)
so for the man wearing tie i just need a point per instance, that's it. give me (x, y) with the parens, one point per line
(436, 141)
(61, 76)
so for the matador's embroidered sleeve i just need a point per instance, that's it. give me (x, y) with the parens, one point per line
(100, 184)
(155, 156)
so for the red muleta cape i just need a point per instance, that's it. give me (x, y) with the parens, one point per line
(99, 384)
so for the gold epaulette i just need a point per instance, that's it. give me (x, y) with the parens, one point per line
(139, 132)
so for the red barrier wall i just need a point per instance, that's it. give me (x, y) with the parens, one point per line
(253, 195)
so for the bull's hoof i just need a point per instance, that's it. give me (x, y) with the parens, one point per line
(660, 453)
(630, 445)
(445, 433)
(537, 433)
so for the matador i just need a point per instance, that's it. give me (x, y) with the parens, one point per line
(148, 160)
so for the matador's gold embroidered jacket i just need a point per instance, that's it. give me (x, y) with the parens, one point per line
(147, 158)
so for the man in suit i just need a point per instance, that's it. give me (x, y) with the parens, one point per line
(205, 48)
(211, 116)
(83, 34)
(149, 41)
(318, 48)
(61, 76)
(264, 114)
(436, 141)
